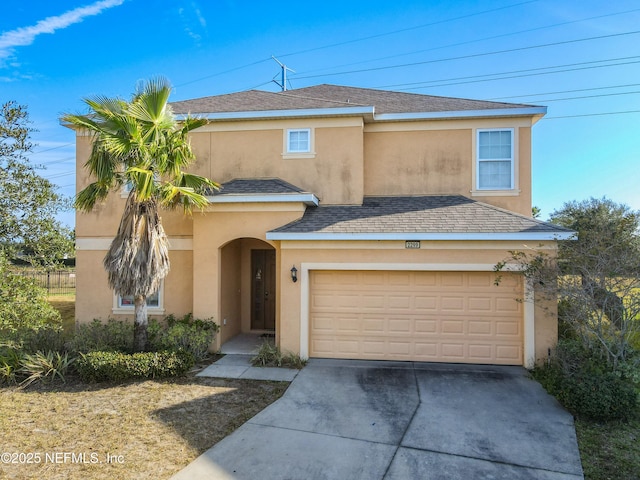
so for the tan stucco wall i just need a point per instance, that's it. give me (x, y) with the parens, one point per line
(213, 231)
(94, 298)
(230, 292)
(255, 150)
(418, 162)
(429, 158)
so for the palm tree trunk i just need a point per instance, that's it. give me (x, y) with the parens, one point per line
(140, 324)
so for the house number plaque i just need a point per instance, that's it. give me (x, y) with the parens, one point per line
(412, 244)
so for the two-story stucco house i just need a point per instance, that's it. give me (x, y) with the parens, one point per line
(352, 223)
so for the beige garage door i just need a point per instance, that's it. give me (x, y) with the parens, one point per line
(459, 317)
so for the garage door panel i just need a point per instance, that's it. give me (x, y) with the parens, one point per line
(449, 304)
(480, 327)
(402, 326)
(421, 316)
(425, 304)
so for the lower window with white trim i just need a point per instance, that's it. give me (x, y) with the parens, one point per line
(126, 305)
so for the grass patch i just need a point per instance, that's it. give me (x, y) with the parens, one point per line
(66, 305)
(155, 427)
(270, 356)
(609, 450)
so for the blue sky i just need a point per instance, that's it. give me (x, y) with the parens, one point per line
(580, 59)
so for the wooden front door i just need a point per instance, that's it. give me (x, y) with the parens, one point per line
(263, 289)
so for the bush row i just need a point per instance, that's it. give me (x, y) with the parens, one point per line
(103, 351)
(116, 366)
(586, 385)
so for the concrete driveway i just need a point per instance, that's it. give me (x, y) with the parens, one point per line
(343, 419)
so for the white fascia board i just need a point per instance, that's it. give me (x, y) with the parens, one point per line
(472, 236)
(278, 114)
(306, 198)
(498, 112)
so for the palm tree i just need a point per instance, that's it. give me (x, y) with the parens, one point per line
(140, 144)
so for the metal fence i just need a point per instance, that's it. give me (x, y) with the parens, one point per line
(56, 282)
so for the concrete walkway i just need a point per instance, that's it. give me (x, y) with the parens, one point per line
(397, 420)
(239, 366)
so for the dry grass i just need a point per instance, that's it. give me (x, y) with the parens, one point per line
(157, 427)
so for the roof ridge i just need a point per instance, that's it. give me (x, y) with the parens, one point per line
(284, 94)
(413, 94)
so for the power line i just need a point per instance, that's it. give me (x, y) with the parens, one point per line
(592, 114)
(472, 41)
(475, 55)
(402, 30)
(58, 175)
(587, 96)
(52, 148)
(512, 74)
(565, 91)
(257, 62)
(53, 162)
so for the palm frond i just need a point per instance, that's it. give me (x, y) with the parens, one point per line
(138, 258)
(90, 195)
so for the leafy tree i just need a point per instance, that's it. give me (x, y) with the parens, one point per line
(139, 143)
(28, 202)
(536, 212)
(606, 252)
(595, 276)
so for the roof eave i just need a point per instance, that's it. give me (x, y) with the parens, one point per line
(369, 114)
(308, 199)
(537, 112)
(457, 236)
(279, 114)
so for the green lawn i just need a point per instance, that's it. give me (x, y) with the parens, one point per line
(610, 450)
(66, 305)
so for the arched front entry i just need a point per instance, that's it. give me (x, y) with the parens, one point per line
(247, 288)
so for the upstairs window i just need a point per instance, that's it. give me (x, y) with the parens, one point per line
(495, 165)
(299, 140)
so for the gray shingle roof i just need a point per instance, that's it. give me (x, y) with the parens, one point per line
(257, 186)
(333, 96)
(423, 215)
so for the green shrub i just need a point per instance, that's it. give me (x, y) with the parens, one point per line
(44, 366)
(48, 338)
(115, 335)
(23, 304)
(183, 334)
(118, 366)
(10, 360)
(270, 356)
(586, 385)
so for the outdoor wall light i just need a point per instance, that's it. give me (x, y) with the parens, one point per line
(294, 274)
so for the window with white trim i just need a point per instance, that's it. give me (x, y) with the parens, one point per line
(126, 305)
(299, 140)
(495, 162)
(127, 301)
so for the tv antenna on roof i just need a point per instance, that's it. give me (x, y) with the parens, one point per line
(283, 82)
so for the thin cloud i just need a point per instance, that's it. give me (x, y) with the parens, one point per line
(191, 16)
(24, 36)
